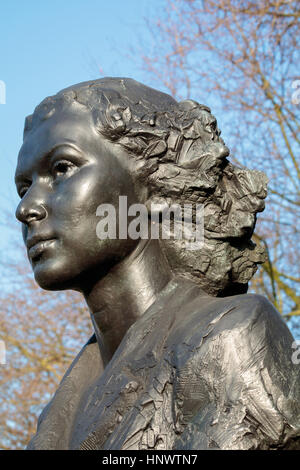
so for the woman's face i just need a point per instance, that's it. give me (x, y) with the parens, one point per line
(65, 171)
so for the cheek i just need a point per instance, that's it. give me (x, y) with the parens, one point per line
(75, 200)
(91, 186)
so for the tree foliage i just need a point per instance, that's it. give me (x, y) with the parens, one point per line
(42, 332)
(240, 57)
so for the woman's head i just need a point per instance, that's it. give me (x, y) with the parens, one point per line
(174, 154)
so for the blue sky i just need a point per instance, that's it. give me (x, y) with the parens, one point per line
(48, 45)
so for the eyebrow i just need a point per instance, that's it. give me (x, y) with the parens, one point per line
(20, 177)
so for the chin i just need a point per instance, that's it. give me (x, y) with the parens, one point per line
(51, 283)
(53, 276)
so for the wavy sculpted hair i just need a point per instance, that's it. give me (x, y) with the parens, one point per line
(180, 158)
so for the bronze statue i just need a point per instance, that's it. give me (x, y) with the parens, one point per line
(182, 357)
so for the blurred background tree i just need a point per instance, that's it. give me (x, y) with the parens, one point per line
(43, 332)
(241, 58)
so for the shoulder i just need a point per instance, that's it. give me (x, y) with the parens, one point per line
(247, 309)
(248, 329)
(76, 375)
(235, 340)
(255, 311)
(202, 316)
(247, 321)
(88, 352)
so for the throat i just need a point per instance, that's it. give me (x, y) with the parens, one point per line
(117, 300)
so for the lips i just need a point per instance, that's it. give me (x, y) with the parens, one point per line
(36, 246)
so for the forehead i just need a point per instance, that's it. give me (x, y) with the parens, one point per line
(70, 125)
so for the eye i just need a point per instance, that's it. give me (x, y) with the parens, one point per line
(62, 168)
(212, 126)
(22, 191)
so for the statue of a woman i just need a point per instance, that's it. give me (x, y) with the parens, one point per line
(182, 357)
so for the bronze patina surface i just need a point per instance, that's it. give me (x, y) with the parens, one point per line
(182, 357)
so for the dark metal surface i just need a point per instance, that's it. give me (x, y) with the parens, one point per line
(182, 357)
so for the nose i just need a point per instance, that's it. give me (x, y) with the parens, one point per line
(222, 150)
(31, 208)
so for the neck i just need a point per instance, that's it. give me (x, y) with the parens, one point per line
(118, 299)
